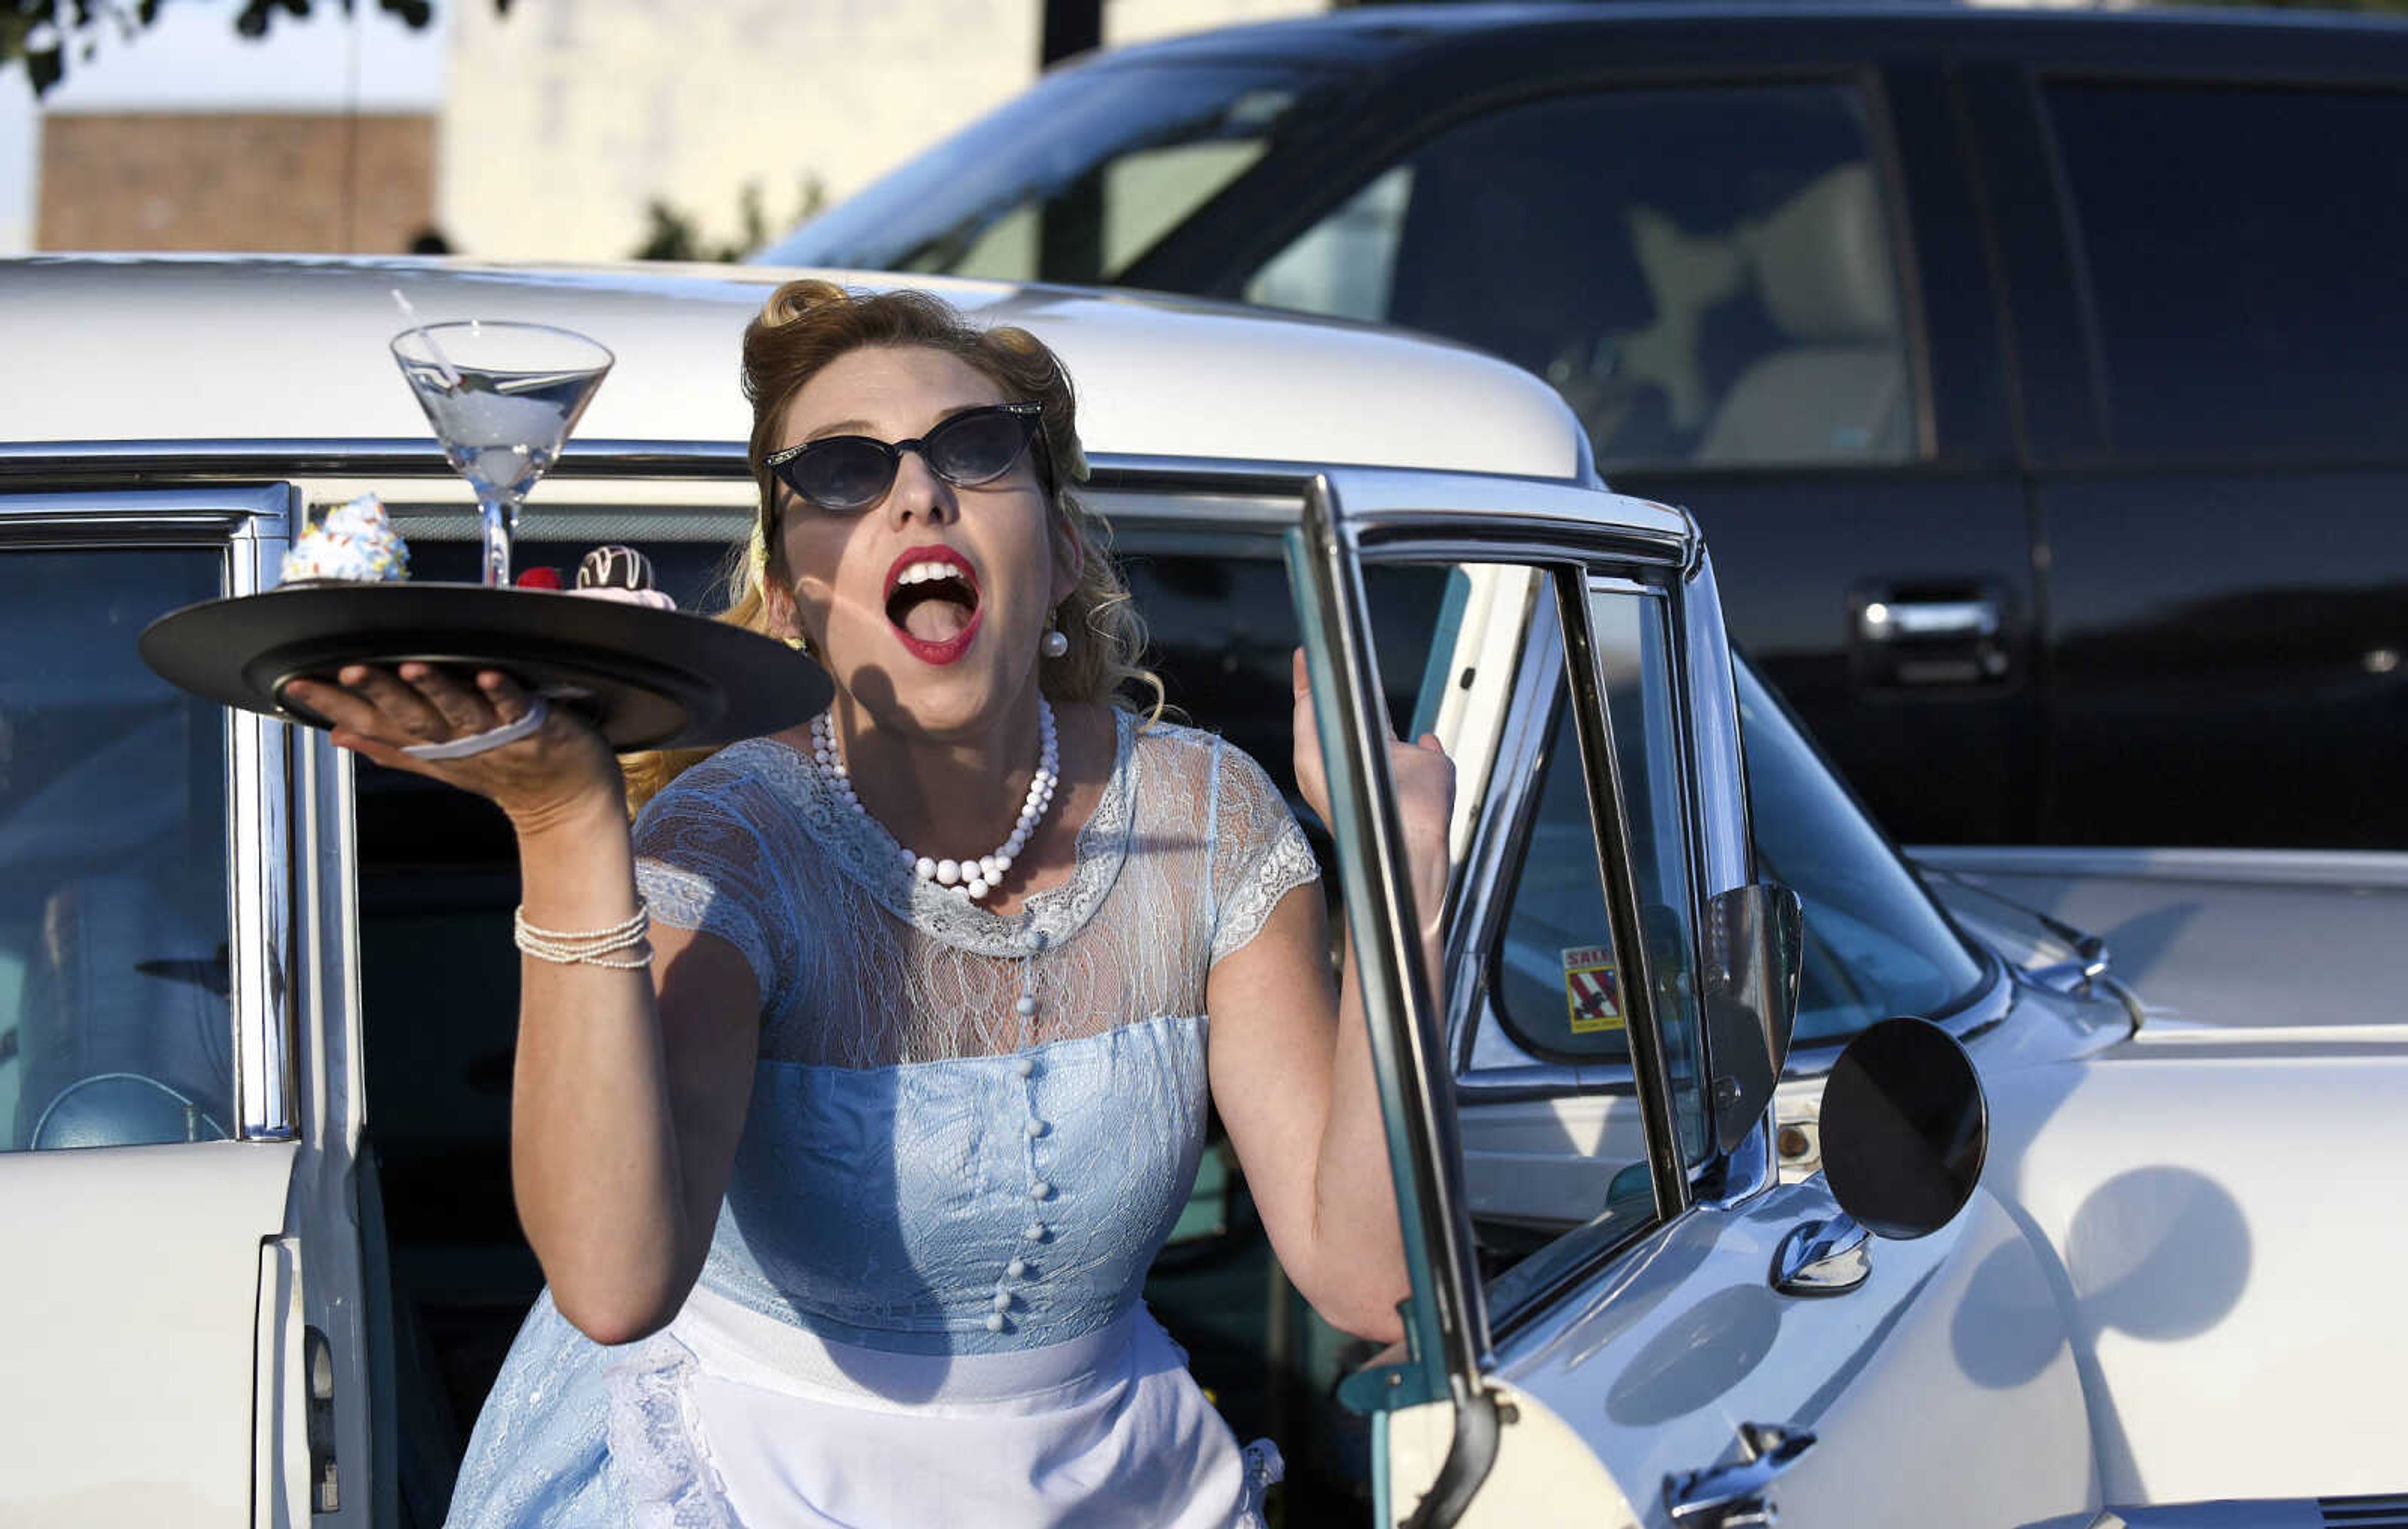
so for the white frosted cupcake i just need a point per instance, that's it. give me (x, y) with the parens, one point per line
(351, 543)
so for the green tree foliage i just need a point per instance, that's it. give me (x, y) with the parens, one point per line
(51, 36)
(673, 234)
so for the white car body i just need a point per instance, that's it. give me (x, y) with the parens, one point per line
(2177, 1282)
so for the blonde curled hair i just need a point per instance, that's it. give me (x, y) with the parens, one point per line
(808, 324)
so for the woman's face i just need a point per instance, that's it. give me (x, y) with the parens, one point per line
(944, 655)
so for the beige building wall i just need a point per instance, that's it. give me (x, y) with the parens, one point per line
(565, 118)
(1139, 20)
(281, 182)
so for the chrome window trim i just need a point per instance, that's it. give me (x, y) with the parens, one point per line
(1446, 1326)
(248, 527)
(1726, 848)
(56, 521)
(1610, 803)
(356, 456)
(1727, 845)
(260, 773)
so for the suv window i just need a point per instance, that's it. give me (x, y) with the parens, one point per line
(1073, 181)
(1705, 274)
(2244, 249)
(114, 1027)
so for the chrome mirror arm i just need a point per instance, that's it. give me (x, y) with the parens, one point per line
(1822, 1258)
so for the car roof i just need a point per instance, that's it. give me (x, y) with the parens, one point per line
(1375, 36)
(252, 348)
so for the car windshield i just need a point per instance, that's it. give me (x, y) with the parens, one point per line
(1876, 943)
(1073, 181)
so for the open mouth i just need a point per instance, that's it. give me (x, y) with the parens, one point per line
(932, 599)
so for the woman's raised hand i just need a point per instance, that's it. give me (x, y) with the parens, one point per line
(560, 771)
(1424, 783)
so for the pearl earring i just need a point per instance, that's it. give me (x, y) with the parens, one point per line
(1052, 645)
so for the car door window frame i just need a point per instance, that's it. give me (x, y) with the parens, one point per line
(1458, 521)
(249, 529)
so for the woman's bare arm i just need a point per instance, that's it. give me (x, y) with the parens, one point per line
(630, 1086)
(629, 1094)
(1291, 1063)
(1291, 1069)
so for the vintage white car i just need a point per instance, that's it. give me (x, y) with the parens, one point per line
(255, 1003)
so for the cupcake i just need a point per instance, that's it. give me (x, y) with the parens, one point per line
(351, 543)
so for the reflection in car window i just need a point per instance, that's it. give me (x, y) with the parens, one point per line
(114, 1025)
(1875, 944)
(1072, 182)
(1222, 629)
(2280, 330)
(1704, 274)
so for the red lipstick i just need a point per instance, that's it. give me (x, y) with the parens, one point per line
(951, 648)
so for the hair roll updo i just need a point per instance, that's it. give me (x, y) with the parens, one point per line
(808, 324)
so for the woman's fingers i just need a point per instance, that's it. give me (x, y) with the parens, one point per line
(509, 699)
(404, 713)
(463, 710)
(418, 703)
(333, 702)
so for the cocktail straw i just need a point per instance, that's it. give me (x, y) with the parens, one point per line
(442, 362)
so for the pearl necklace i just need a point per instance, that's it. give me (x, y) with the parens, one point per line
(973, 878)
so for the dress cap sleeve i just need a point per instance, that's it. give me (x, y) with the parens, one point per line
(1258, 854)
(701, 865)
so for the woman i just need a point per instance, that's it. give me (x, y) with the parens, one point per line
(844, 1181)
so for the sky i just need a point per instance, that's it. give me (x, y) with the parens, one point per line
(192, 60)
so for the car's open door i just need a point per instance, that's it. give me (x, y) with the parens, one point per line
(1706, 1346)
(179, 1287)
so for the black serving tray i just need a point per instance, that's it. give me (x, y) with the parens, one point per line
(646, 678)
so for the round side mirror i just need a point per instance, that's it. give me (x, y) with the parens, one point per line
(1905, 1128)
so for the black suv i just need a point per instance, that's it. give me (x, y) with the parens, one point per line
(2041, 381)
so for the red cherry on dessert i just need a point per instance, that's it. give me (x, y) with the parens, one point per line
(540, 578)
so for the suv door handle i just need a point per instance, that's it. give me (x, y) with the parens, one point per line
(1736, 1496)
(1908, 620)
(1904, 637)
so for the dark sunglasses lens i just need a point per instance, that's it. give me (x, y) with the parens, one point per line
(841, 474)
(978, 448)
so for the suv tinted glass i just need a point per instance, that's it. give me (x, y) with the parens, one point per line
(1072, 182)
(2244, 249)
(114, 1028)
(1705, 274)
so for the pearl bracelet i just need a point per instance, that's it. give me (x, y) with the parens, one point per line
(589, 947)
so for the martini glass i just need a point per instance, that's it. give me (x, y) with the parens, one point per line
(502, 398)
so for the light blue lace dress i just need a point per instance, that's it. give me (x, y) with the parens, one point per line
(969, 1136)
